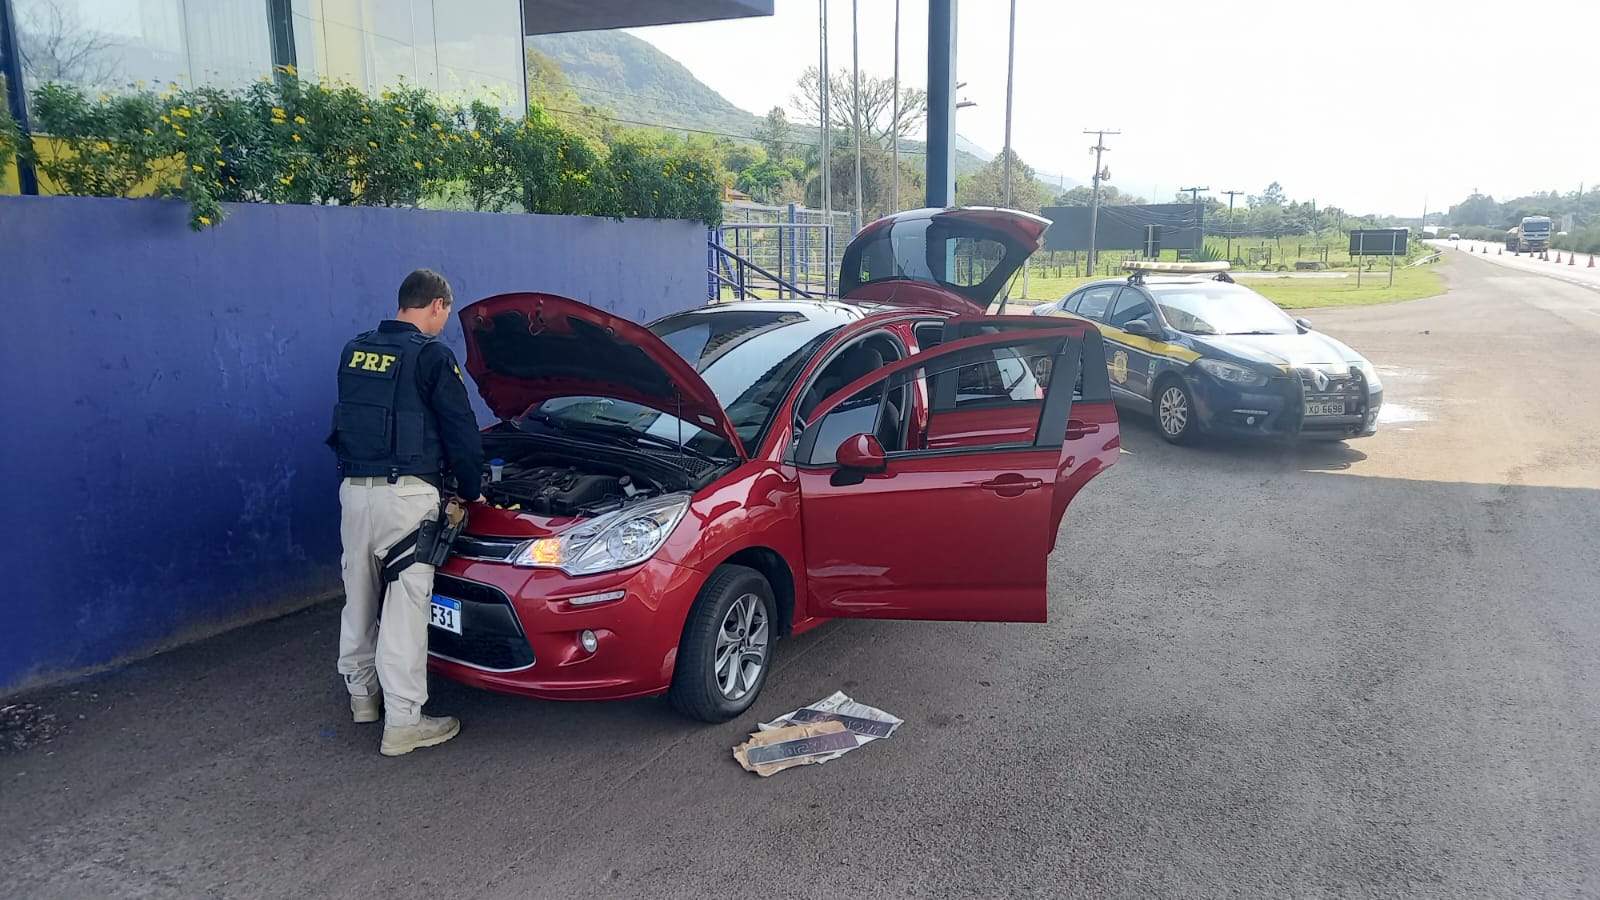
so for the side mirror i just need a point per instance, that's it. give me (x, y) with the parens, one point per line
(1305, 325)
(1140, 327)
(863, 453)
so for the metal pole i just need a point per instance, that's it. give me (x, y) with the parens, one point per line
(941, 102)
(1199, 217)
(825, 150)
(16, 94)
(1231, 195)
(894, 192)
(1011, 58)
(855, 88)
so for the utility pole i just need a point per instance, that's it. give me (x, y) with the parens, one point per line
(855, 88)
(1231, 195)
(825, 154)
(894, 192)
(1011, 58)
(1094, 198)
(1199, 217)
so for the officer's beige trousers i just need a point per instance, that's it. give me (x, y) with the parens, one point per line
(375, 516)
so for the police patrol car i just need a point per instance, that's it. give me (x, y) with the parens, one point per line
(1203, 355)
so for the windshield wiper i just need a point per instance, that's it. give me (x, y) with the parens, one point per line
(1258, 332)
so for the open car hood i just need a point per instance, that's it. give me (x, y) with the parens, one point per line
(526, 348)
(904, 259)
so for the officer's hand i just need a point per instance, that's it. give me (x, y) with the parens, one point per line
(482, 498)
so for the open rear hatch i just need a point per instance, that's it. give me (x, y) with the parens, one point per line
(957, 260)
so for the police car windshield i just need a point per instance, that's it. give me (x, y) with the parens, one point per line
(748, 357)
(1220, 308)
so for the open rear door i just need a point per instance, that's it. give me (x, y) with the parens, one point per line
(957, 523)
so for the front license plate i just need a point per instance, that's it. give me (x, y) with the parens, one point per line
(445, 614)
(1325, 409)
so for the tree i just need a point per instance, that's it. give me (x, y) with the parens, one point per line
(55, 46)
(986, 187)
(764, 181)
(877, 105)
(877, 175)
(772, 133)
(1478, 209)
(1083, 194)
(1272, 196)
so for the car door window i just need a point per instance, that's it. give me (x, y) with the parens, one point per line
(1096, 301)
(983, 397)
(1131, 304)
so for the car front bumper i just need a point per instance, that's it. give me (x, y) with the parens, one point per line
(521, 634)
(1279, 408)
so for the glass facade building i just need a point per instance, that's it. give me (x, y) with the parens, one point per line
(457, 48)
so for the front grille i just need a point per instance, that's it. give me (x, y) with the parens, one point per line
(1336, 384)
(469, 546)
(491, 637)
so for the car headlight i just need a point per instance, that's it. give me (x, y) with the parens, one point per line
(613, 541)
(1369, 373)
(1231, 373)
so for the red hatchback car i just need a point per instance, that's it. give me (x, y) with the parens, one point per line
(667, 501)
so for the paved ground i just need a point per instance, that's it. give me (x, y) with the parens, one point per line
(1365, 670)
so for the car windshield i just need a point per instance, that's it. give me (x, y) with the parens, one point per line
(748, 357)
(1220, 308)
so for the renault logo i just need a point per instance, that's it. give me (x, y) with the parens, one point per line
(1320, 379)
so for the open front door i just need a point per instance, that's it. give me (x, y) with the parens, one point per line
(954, 523)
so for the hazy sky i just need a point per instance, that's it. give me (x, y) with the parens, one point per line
(1326, 98)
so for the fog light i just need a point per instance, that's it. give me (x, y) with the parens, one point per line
(589, 641)
(1250, 420)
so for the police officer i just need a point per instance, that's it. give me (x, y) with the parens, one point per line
(402, 425)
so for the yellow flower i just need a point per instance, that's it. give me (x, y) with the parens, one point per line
(476, 136)
(400, 109)
(180, 131)
(102, 145)
(198, 168)
(278, 112)
(104, 97)
(166, 120)
(418, 165)
(205, 220)
(290, 70)
(296, 138)
(183, 111)
(372, 144)
(299, 120)
(289, 180)
(148, 131)
(437, 127)
(385, 95)
(365, 120)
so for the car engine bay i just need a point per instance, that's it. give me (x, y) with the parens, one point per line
(552, 477)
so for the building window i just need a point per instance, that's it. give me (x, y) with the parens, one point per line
(98, 45)
(461, 49)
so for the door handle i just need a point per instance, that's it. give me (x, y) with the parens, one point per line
(1012, 485)
(1077, 428)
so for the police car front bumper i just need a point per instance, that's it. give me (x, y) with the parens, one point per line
(1288, 406)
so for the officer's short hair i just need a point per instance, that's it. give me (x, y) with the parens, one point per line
(421, 286)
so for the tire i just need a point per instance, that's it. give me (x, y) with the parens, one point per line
(1176, 418)
(735, 618)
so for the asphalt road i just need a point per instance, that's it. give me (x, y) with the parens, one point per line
(1363, 670)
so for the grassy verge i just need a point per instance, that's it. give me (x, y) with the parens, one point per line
(1292, 293)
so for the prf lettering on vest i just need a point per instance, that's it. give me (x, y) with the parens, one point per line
(371, 362)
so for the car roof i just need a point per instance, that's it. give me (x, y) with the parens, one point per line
(818, 310)
(1164, 281)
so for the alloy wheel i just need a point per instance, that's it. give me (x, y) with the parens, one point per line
(1174, 411)
(742, 643)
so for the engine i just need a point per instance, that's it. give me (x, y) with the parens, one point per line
(554, 490)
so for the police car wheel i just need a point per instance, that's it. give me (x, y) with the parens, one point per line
(1175, 412)
(726, 649)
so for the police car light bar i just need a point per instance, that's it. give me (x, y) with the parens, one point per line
(1176, 268)
(1138, 268)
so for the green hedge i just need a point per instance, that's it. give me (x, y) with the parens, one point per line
(1585, 241)
(285, 140)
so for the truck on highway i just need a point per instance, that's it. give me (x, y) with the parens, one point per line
(1531, 236)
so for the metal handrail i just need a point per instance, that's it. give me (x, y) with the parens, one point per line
(724, 254)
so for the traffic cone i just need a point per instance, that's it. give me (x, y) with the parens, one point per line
(1572, 259)
(1558, 257)
(1499, 251)
(1591, 260)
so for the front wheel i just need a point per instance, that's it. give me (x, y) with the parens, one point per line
(726, 648)
(1176, 417)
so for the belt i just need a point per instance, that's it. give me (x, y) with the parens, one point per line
(375, 480)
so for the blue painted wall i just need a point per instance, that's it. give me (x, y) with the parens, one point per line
(165, 395)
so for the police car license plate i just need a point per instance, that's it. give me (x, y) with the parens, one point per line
(445, 614)
(1325, 409)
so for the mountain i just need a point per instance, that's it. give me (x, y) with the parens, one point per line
(637, 83)
(640, 84)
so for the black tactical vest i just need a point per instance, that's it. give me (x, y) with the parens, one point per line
(382, 426)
